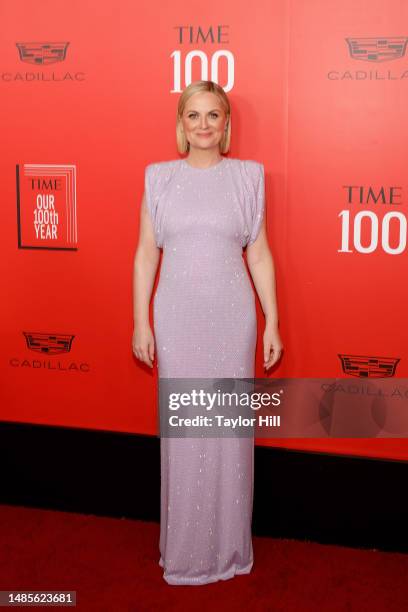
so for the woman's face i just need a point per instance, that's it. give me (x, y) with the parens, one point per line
(203, 121)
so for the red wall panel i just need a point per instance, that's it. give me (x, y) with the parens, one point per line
(305, 102)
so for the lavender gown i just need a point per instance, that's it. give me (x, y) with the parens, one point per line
(205, 326)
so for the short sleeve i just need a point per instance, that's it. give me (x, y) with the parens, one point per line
(151, 185)
(256, 204)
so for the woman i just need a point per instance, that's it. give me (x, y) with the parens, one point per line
(202, 210)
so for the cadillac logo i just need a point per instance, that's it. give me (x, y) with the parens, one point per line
(49, 344)
(377, 49)
(42, 54)
(369, 367)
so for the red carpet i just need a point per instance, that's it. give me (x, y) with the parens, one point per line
(113, 566)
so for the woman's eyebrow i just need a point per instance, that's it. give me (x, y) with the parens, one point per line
(211, 111)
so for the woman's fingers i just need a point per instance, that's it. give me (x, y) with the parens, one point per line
(145, 355)
(272, 355)
(143, 344)
(151, 350)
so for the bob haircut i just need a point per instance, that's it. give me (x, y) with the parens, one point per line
(197, 87)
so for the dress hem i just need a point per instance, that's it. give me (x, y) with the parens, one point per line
(234, 570)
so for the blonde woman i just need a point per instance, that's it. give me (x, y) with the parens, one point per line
(202, 210)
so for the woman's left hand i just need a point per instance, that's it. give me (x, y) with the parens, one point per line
(272, 345)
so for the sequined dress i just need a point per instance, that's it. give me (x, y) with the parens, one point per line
(205, 326)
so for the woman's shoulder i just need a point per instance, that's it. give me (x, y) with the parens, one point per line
(163, 164)
(250, 163)
(251, 170)
(246, 167)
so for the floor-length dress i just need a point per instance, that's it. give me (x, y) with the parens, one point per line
(205, 326)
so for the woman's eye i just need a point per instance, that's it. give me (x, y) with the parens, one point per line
(193, 115)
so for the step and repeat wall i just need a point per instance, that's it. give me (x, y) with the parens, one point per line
(89, 93)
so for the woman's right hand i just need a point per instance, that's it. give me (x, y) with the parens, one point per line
(143, 344)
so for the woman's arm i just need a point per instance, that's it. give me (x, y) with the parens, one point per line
(262, 269)
(145, 266)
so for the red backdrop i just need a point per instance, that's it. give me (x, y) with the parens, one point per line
(89, 93)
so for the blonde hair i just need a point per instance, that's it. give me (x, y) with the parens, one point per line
(196, 87)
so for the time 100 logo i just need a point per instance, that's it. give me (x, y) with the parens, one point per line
(377, 228)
